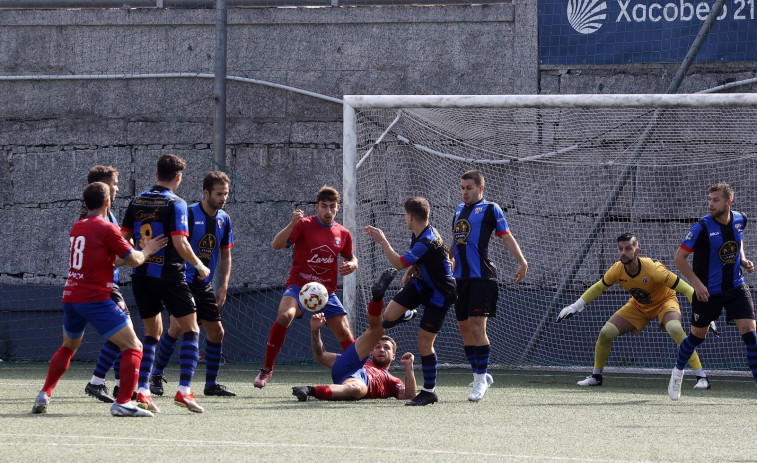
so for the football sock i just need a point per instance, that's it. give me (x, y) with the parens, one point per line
(346, 344)
(750, 339)
(470, 354)
(686, 349)
(131, 360)
(105, 361)
(164, 352)
(189, 354)
(429, 365)
(273, 346)
(375, 307)
(482, 359)
(675, 330)
(117, 367)
(58, 365)
(212, 362)
(604, 345)
(323, 392)
(148, 358)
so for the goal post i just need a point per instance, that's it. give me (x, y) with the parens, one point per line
(571, 172)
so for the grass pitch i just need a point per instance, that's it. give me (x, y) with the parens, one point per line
(525, 417)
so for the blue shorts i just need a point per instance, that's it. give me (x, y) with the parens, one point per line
(333, 307)
(349, 365)
(105, 316)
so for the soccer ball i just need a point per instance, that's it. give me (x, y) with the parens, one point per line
(313, 296)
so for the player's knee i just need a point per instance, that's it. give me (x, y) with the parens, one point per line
(608, 333)
(356, 390)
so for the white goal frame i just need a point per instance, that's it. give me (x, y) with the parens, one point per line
(350, 160)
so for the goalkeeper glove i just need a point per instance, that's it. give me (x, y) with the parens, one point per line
(572, 309)
(714, 329)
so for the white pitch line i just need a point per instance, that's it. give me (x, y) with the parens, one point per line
(225, 443)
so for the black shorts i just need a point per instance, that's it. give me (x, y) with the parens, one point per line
(118, 298)
(737, 303)
(476, 298)
(205, 300)
(433, 315)
(153, 295)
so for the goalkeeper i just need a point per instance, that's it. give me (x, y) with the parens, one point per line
(653, 295)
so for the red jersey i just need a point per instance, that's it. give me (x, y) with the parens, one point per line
(316, 248)
(381, 383)
(94, 245)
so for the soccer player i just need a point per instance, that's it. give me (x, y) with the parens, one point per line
(96, 246)
(160, 283)
(653, 296)
(317, 241)
(476, 276)
(211, 238)
(110, 354)
(715, 240)
(428, 281)
(355, 376)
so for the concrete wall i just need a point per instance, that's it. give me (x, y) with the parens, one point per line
(282, 146)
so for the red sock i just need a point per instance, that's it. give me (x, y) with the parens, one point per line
(130, 361)
(323, 392)
(375, 308)
(346, 344)
(273, 346)
(58, 365)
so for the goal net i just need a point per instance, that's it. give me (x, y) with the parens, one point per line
(571, 174)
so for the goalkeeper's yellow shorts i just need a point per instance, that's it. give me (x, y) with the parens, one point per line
(640, 315)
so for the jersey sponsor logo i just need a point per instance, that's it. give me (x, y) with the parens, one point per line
(155, 260)
(715, 233)
(728, 252)
(478, 210)
(644, 280)
(461, 232)
(76, 275)
(640, 295)
(220, 223)
(321, 258)
(184, 220)
(150, 202)
(199, 222)
(206, 246)
(142, 216)
(737, 227)
(689, 236)
(584, 16)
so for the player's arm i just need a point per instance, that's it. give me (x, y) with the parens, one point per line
(348, 266)
(182, 246)
(589, 295)
(320, 354)
(379, 237)
(136, 258)
(514, 249)
(684, 288)
(411, 387)
(281, 238)
(746, 264)
(224, 273)
(700, 290)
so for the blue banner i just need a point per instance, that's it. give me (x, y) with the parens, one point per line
(643, 31)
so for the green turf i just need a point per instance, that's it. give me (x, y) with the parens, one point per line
(525, 416)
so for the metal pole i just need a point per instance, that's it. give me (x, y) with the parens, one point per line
(219, 90)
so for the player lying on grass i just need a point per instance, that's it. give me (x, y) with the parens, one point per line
(653, 295)
(355, 377)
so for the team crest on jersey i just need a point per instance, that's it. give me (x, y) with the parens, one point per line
(337, 241)
(461, 231)
(206, 246)
(640, 295)
(728, 252)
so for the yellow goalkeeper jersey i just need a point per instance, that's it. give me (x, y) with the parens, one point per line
(651, 286)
